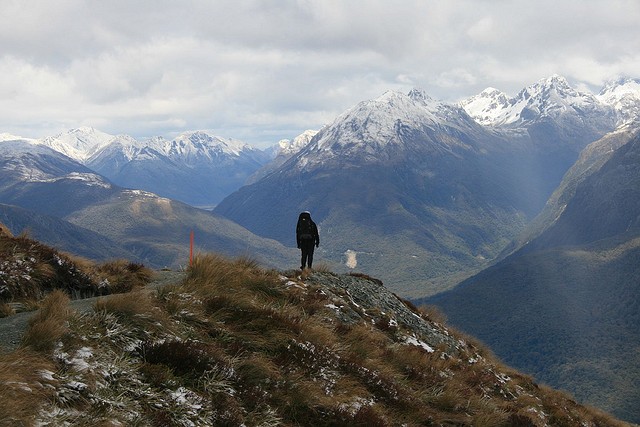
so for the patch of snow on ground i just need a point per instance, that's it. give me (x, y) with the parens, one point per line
(79, 361)
(413, 340)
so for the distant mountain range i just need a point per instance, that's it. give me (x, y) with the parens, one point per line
(417, 189)
(147, 228)
(196, 168)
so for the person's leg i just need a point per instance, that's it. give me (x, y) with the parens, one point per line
(303, 258)
(310, 255)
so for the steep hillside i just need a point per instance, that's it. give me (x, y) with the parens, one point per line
(157, 230)
(605, 204)
(565, 306)
(234, 344)
(62, 234)
(590, 161)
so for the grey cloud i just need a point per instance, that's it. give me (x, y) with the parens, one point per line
(263, 70)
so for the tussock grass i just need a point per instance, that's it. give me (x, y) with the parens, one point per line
(120, 276)
(32, 270)
(236, 344)
(27, 384)
(137, 311)
(136, 304)
(5, 310)
(49, 324)
(433, 313)
(212, 273)
(257, 369)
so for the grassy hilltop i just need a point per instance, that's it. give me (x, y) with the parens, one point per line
(233, 343)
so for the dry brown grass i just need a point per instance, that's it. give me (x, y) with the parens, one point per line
(120, 276)
(32, 270)
(257, 369)
(322, 267)
(214, 275)
(137, 303)
(49, 324)
(139, 309)
(4, 231)
(6, 310)
(25, 386)
(262, 351)
(433, 313)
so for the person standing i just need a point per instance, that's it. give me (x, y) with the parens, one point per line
(307, 238)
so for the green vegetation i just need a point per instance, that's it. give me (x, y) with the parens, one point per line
(234, 343)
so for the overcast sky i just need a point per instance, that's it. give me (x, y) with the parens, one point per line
(260, 71)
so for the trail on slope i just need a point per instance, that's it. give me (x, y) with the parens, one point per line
(13, 327)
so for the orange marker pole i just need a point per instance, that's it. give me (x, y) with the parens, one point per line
(191, 248)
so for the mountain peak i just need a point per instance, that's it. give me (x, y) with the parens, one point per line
(194, 141)
(419, 95)
(79, 143)
(556, 80)
(623, 93)
(374, 125)
(487, 106)
(288, 147)
(551, 97)
(555, 88)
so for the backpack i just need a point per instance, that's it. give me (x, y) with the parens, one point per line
(305, 229)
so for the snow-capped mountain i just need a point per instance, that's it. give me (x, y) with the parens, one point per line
(195, 167)
(623, 94)
(85, 144)
(550, 98)
(373, 131)
(36, 177)
(488, 106)
(79, 144)
(10, 137)
(196, 147)
(28, 161)
(289, 147)
(281, 152)
(554, 115)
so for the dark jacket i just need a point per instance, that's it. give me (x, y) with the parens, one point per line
(306, 230)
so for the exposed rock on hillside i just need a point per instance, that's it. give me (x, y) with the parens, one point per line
(234, 344)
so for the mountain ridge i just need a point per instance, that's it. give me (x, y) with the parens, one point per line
(195, 167)
(553, 96)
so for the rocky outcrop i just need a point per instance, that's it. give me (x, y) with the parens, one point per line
(358, 297)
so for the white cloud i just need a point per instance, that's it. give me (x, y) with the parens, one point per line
(265, 70)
